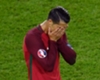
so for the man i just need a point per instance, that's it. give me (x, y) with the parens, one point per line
(43, 44)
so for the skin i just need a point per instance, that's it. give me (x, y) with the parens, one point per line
(54, 31)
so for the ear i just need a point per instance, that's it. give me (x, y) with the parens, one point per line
(50, 22)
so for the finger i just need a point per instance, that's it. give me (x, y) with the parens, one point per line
(49, 30)
(60, 30)
(55, 31)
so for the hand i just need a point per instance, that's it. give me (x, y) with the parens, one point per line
(56, 34)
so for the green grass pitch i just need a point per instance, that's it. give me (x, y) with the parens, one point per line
(18, 16)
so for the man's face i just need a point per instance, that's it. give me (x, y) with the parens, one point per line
(61, 24)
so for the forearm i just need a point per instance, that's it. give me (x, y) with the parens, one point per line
(67, 52)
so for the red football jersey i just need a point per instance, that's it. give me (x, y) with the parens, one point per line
(42, 55)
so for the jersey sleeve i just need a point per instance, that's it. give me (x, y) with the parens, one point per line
(66, 50)
(45, 58)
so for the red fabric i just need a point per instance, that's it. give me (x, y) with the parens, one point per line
(38, 73)
(27, 58)
(46, 68)
(45, 40)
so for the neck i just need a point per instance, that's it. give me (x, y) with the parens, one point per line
(44, 26)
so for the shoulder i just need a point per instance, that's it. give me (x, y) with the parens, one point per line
(33, 36)
(32, 31)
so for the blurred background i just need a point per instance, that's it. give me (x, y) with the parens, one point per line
(19, 16)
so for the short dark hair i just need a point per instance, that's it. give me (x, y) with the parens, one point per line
(59, 13)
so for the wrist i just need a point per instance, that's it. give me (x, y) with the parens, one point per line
(60, 41)
(53, 39)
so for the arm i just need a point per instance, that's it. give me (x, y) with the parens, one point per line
(66, 51)
(33, 45)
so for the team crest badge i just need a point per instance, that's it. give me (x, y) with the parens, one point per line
(42, 53)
